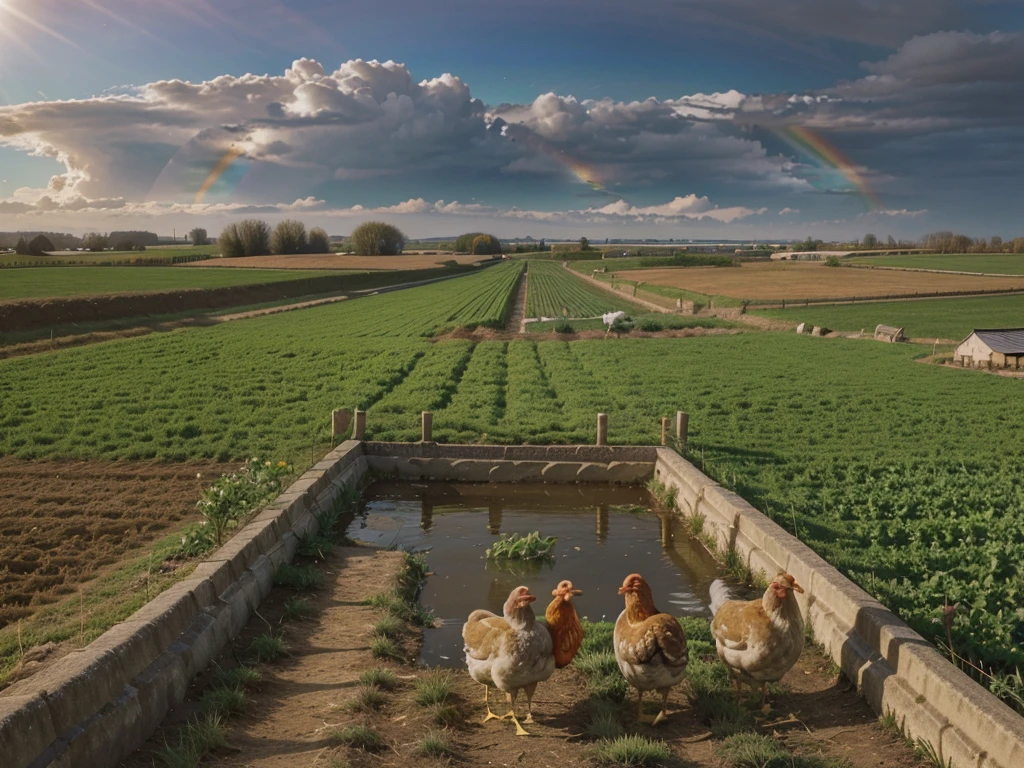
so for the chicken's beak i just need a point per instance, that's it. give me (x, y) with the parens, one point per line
(527, 599)
(798, 588)
(623, 590)
(577, 592)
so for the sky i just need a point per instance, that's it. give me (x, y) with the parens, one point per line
(702, 119)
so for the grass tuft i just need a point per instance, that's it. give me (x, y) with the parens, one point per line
(385, 648)
(631, 751)
(435, 688)
(224, 700)
(358, 737)
(297, 608)
(390, 627)
(302, 578)
(199, 736)
(604, 719)
(268, 647)
(239, 677)
(379, 678)
(437, 744)
(369, 699)
(447, 715)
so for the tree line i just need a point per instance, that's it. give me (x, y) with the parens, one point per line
(255, 237)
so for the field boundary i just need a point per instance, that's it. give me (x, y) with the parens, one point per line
(926, 269)
(635, 299)
(27, 314)
(895, 669)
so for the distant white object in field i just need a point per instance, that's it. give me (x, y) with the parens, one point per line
(611, 317)
(801, 328)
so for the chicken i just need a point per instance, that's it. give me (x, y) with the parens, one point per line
(650, 646)
(563, 624)
(511, 653)
(758, 640)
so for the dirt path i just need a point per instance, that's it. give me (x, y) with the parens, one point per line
(635, 299)
(305, 698)
(517, 317)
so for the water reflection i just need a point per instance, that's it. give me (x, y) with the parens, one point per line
(448, 520)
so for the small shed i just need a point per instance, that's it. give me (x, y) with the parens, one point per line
(889, 334)
(992, 348)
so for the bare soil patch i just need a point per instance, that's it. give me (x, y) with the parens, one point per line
(305, 697)
(338, 261)
(793, 281)
(62, 523)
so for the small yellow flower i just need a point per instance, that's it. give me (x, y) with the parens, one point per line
(267, 464)
(282, 464)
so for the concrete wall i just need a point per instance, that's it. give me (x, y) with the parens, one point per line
(895, 669)
(511, 464)
(93, 707)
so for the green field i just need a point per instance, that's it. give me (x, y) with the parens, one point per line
(950, 319)
(647, 321)
(86, 281)
(904, 476)
(555, 292)
(157, 254)
(990, 263)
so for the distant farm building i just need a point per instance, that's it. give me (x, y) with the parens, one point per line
(806, 255)
(992, 348)
(889, 333)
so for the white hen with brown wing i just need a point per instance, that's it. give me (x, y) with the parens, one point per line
(512, 652)
(759, 640)
(650, 646)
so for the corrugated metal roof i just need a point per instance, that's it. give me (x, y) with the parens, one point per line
(1008, 341)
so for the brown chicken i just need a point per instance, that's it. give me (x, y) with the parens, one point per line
(758, 640)
(650, 646)
(563, 624)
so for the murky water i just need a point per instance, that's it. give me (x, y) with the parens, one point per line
(604, 534)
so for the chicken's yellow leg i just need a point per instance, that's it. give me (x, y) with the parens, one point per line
(640, 707)
(529, 690)
(487, 703)
(520, 731)
(664, 707)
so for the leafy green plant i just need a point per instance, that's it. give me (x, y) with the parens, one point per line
(564, 326)
(268, 647)
(650, 325)
(303, 578)
(512, 546)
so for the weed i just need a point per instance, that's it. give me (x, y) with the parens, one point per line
(225, 700)
(596, 663)
(752, 750)
(447, 715)
(268, 647)
(239, 677)
(435, 688)
(358, 737)
(302, 578)
(604, 719)
(390, 627)
(297, 608)
(650, 325)
(198, 737)
(437, 744)
(696, 523)
(927, 752)
(315, 546)
(631, 751)
(512, 546)
(379, 678)
(564, 326)
(385, 648)
(369, 699)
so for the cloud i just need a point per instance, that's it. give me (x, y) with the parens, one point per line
(789, 211)
(894, 212)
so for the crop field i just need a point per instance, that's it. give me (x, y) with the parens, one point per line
(340, 261)
(904, 476)
(796, 281)
(951, 319)
(157, 254)
(553, 291)
(989, 263)
(47, 282)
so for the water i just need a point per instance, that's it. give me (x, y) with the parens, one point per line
(604, 534)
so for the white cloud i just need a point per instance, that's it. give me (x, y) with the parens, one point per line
(789, 211)
(900, 212)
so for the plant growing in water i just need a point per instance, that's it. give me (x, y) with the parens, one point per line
(532, 546)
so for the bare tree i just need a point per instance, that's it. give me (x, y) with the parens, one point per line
(250, 237)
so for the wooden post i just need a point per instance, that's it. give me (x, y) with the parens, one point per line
(664, 431)
(428, 424)
(602, 429)
(682, 427)
(359, 433)
(341, 418)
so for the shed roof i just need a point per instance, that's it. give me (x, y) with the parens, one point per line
(1008, 341)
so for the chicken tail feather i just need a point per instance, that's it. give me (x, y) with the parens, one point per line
(720, 595)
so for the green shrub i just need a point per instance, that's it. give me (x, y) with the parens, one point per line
(375, 238)
(564, 326)
(650, 325)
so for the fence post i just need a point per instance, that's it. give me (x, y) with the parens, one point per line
(359, 433)
(664, 430)
(340, 420)
(682, 427)
(602, 429)
(428, 427)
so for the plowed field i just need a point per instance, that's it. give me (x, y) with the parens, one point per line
(337, 261)
(795, 281)
(61, 523)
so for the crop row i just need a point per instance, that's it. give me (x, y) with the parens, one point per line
(556, 292)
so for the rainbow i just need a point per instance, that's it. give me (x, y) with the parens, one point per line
(225, 162)
(812, 144)
(584, 172)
